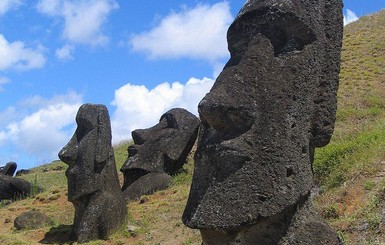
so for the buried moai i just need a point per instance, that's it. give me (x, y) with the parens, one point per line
(93, 184)
(158, 152)
(9, 169)
(12, 188)
(272, 105)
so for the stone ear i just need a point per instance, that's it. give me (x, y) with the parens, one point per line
(325, 113)
(103, 141)
(325, 99)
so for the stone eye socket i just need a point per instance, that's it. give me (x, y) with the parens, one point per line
(286, 31)
(169, 121)
(84, 127)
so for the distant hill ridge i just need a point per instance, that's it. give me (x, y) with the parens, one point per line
(349, 172)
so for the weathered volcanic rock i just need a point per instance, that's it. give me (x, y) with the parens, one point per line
(9, 169)
(273, 103)
(32, 220)
(22, 172)
(12, 188)
(158, 152)
(93, 185)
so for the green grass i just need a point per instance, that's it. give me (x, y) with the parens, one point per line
(345, 157)
(350, 170)
(120, 152)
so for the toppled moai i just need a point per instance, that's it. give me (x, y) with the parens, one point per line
(93, 184)
(12, 188)
(158, 152)
(272, 105)
(9, 169)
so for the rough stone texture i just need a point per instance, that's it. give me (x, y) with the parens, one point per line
(32, 220)
(9, 169)
(93, 185)
(158, 152)
(12, 188)
(22, 172)
(273, 103)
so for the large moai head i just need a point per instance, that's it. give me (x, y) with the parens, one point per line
(158, 152)
(89, 153)
(93, 184)
(273, 103)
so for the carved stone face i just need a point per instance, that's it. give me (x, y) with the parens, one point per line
(87, 152)
(162, 148)
(273, 103)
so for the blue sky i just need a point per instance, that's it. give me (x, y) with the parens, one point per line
(140, 58)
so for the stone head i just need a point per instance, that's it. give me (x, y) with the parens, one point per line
(273, 103)
(88, 151)
(162, 148)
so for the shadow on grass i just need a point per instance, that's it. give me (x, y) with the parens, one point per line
(58, 235)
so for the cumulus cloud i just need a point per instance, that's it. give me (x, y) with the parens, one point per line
(140, 107)
(83, 20)
(6, 5)
(65, 53)
(44, 131)
(198, 33)
(16, 56)
(349, 17)
(3, 81)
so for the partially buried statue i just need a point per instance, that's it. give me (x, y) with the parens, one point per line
(93, 185)
(272, 105)
(12, 188)
(158, 152)
(9, 169)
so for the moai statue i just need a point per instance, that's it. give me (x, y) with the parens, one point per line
(9, 169)
(158, 152)
(93, 184)
(273, 103)
(12, 188)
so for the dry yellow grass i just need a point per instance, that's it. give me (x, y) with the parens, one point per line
(350, 171)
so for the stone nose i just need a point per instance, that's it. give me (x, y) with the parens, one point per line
(68, 154)
(212, 112)
(225, 114)
(138, 136)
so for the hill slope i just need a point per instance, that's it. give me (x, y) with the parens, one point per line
(350, 171)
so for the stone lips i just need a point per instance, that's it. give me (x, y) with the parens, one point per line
(93, 185)
(273, 103)
(158, 152)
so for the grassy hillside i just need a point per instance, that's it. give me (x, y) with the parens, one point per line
(351, 169)
(349, 172)
(154, 219)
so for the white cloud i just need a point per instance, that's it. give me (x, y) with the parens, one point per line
(65, 53)
(3, 81)
(7, 116)
(6, 5)
(139, 107)
(83, 20)
(49, 7)
(349, 17)
(43, 132)
(16, 56)
(198, 33)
